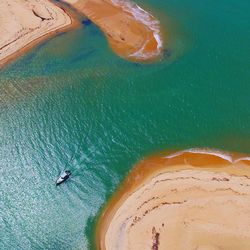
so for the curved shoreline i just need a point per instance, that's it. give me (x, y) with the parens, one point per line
(218, 172)
(46, 19)
(132, 32)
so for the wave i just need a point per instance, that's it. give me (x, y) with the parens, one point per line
(221, 154)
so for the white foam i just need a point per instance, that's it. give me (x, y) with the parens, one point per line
(223, 155)
(242, 159)
(148, 20)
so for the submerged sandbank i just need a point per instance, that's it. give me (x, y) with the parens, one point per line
(193, 199)
(132, 32)
(25, 23)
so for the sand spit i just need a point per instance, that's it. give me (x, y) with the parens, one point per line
(132, 32)
(193, 199)
(24, 22)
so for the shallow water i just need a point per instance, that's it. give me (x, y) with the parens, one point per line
(71, 102)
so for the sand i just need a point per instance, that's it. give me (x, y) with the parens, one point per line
(195, 199)
(132, 32)
(23, 23)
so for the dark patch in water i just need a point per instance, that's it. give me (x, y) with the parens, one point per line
(137, 64)
(94, 31)
(86, 22)
(82, 55)
(29, 57)
(167, 53)
(61, 33)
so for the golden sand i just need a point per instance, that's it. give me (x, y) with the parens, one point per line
(25, 23)
(131, 32)
(194, 199)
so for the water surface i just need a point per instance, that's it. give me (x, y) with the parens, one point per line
(71, 102)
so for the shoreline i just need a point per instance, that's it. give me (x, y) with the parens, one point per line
(72, 24)
(205, 162)
(132, 33)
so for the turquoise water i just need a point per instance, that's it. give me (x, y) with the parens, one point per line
(72, 103)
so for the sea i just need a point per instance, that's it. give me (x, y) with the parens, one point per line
(71, 103)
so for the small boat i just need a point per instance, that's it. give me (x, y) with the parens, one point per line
(63, 177)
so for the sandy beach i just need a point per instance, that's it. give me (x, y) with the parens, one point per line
(194, 199)
(25, 23)
(132, 32)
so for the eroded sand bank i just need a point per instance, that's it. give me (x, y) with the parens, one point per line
(195, 199)
(132, 32)
(25, 21)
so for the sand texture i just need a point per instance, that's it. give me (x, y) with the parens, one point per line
(132, 32)
(25, 21)
(189, 200)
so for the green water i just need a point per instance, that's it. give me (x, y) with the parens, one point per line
(72, 101)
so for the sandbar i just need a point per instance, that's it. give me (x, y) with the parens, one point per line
(192, 199)
(25, 23)
(132, 32)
